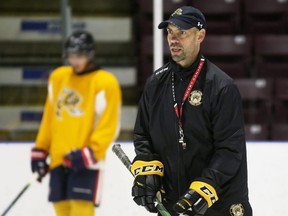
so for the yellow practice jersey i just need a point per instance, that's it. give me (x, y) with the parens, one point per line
(80, 110)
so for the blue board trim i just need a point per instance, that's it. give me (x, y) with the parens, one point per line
(31, 116)
(51, 26)
(36, 73)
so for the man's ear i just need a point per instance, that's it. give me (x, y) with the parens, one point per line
(201, 35)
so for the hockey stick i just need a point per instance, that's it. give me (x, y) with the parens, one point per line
(126, 161)
(34, 178)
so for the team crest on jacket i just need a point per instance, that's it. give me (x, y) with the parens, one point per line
(195, 98)
(237, 210)
(68, 100)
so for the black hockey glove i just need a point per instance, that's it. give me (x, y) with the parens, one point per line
(80, 159)
(197, 199)
(39, 163)
(148, 173)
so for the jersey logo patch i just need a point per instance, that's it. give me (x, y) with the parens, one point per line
(69, 101)
(195, 98)
(237, 210)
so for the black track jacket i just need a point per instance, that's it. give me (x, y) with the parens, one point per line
(214, 133)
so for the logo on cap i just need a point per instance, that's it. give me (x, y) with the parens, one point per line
(200, 25)
(178, 12)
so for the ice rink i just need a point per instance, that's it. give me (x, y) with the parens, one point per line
(267, 167)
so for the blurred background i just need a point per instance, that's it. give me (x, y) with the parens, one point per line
(248, 39)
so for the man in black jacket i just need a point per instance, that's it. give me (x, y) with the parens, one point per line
(189, 133)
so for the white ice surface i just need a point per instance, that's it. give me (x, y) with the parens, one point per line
(267, 167)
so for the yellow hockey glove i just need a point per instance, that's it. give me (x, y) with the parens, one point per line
(198, 198)
(148, 181)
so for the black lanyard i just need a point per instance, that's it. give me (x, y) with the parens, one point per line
(186, 95)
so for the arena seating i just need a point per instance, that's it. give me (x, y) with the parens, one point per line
(257, 106)
(145, 13)
(86, 8)
(257, 99)
(279, 125)
(257, 131)
(279, 131)
(223, 16)
(232, 53)
(280, 117)
(265, 16)
(271, 55)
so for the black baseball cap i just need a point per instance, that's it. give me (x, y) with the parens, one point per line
(185, 17)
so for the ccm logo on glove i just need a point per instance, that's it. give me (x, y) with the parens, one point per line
(148, 181)
(197, 199)
(206, 191)
(147, 168)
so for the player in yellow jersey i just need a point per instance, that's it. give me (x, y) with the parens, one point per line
(80, 121)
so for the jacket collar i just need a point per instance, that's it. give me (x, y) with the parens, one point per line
(185, 72)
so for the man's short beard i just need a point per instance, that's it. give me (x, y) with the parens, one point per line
(178, 58)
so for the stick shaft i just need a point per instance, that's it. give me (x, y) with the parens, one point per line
(16, 199)
(122, 156)
(33, 179)
(126, 161)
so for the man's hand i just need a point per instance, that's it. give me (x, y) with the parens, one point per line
(148, 181)
(198, 199)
